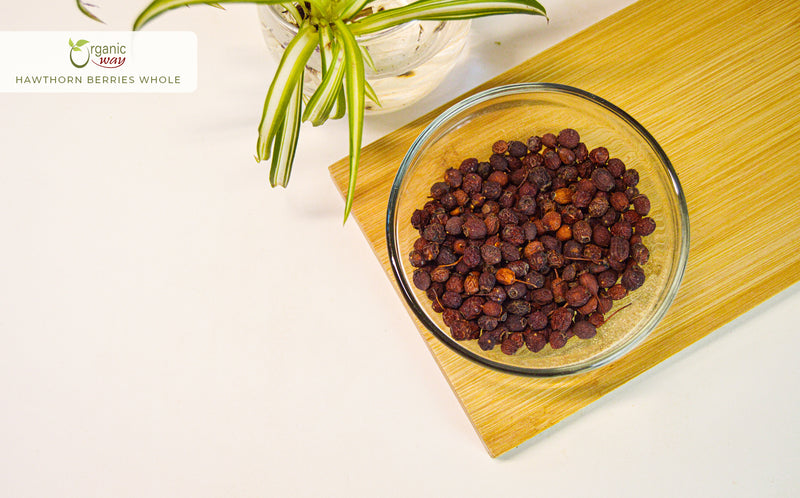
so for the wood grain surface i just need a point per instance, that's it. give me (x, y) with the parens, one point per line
(718, 85)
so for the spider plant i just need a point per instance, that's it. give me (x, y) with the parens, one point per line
(332, 27)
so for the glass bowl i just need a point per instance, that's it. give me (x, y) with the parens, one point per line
(516, 112)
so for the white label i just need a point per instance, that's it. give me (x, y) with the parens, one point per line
(98, 61)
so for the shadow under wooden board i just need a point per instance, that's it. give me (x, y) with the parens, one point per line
(717, 84)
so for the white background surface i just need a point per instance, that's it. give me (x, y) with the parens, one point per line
(170, 326)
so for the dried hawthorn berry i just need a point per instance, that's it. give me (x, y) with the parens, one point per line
(582, 231)
(434, 233)
(416, 259)
(487, 341)
(438, 189)
(469, 165)
(537, 320)
(589, 307)
(451, 299)
(488, 322)
(520, 268)
(551, 159)
(498, 162)
(571, 214)
(518, 307)
(541, 178)
(589, 281)
(581, 198)
(534, 341)
(645, 226)
(616, 167)
(551, 221)
(557, 340)
(453, 225)
(619, 249)
(501, 178)
(497, 294)
(640, 253)
(530, 230)
(516, 290)
(604, 305)
(607, 278)
(491, 189)
(535, 280)
(632, 278)
(631, 217)
(599, 155)
(602, 179)
(516, 323)
(568, 138)
(492, 308)
(541, 296)
(617, 292)
(422, 279)
(471, 308)
(598, 207)
(609, 218)
(500, 147)
(601, 236)
(584, 329)
(513, 234)
(534, 144)
(566, 155)
(471, 257)
(510, 251)
(491, 254)
(472, 284)
(474, 227)
(564, 233)
(440, 274)
(517, 149)
(619, 201)
(631, 177)
(505, 276)
(564, 196)
(641, 204)
(453, 177)
(512, 343)
(561, 319)
(455, 284)
(578, 296)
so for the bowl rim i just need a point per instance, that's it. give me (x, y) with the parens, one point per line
(405, 286)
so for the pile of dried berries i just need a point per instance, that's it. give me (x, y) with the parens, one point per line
(533, 246)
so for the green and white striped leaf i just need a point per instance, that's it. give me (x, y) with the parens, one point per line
(443, 10)
(370, 93)
(354, 91)
(367, 57)
(353, 8)
(341, 105)
(324, 98)
(292, 10)
(83, 8)
(285, 143)
(289, 72)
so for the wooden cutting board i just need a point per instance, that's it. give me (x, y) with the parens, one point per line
(718, 85)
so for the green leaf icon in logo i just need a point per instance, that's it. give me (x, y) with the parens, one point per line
(76, 47)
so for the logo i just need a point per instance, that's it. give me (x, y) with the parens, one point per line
(106, 56)
(76, 47)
